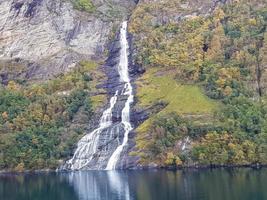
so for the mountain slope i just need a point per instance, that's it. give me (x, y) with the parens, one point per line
(198, 70)
(52, 76)
(204, 85)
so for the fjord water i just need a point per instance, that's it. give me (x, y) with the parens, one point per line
(217, 184)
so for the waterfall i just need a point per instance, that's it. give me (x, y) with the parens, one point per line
(87, 146)
(90, 153)
(128, 90)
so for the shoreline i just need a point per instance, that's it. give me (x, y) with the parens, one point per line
(193, 167)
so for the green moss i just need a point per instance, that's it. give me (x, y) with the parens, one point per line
(84, 5)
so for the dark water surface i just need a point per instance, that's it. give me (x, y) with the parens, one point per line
(217, 184)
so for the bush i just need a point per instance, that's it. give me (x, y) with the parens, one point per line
(166, 130)
(84, 5)
(244, 117)
(74, 101)
(220, 149)
(12, 103)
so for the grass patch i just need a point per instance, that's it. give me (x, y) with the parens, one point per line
(154, 86)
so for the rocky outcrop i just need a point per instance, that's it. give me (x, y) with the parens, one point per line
(48, 37)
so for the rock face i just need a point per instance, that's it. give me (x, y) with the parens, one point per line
(97, 149)
(48, 37)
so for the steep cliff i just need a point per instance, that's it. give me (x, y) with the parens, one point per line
(40, 38)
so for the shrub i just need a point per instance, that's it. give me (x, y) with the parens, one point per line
(84, 5)
(75, 101)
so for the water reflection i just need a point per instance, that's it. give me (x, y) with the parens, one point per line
(245, 184)
(120, 184)
(98, 185)
(35, 187)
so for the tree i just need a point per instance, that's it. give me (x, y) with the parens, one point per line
(262, 67)
(216, 46)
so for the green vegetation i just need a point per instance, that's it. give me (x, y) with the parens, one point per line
(155, 88)
(222, 149)
(205, 80)
(221, 56)
(84, 5)
(180, 98)
(35, 131)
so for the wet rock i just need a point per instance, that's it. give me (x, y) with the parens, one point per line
(111, 137)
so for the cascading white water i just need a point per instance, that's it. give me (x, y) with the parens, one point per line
(128, 91)
(187, 140)
(87, 146)
(90, 153)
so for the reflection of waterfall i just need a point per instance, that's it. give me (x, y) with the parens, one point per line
(128, 91)
(102, 148)
(86, 185)
(120, 185)
(217, 184)
(100, 185)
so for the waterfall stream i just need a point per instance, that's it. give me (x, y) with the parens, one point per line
(128, 90)
(89, 153)
(87, 146)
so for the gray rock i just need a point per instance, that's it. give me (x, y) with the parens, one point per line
(50, 36)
